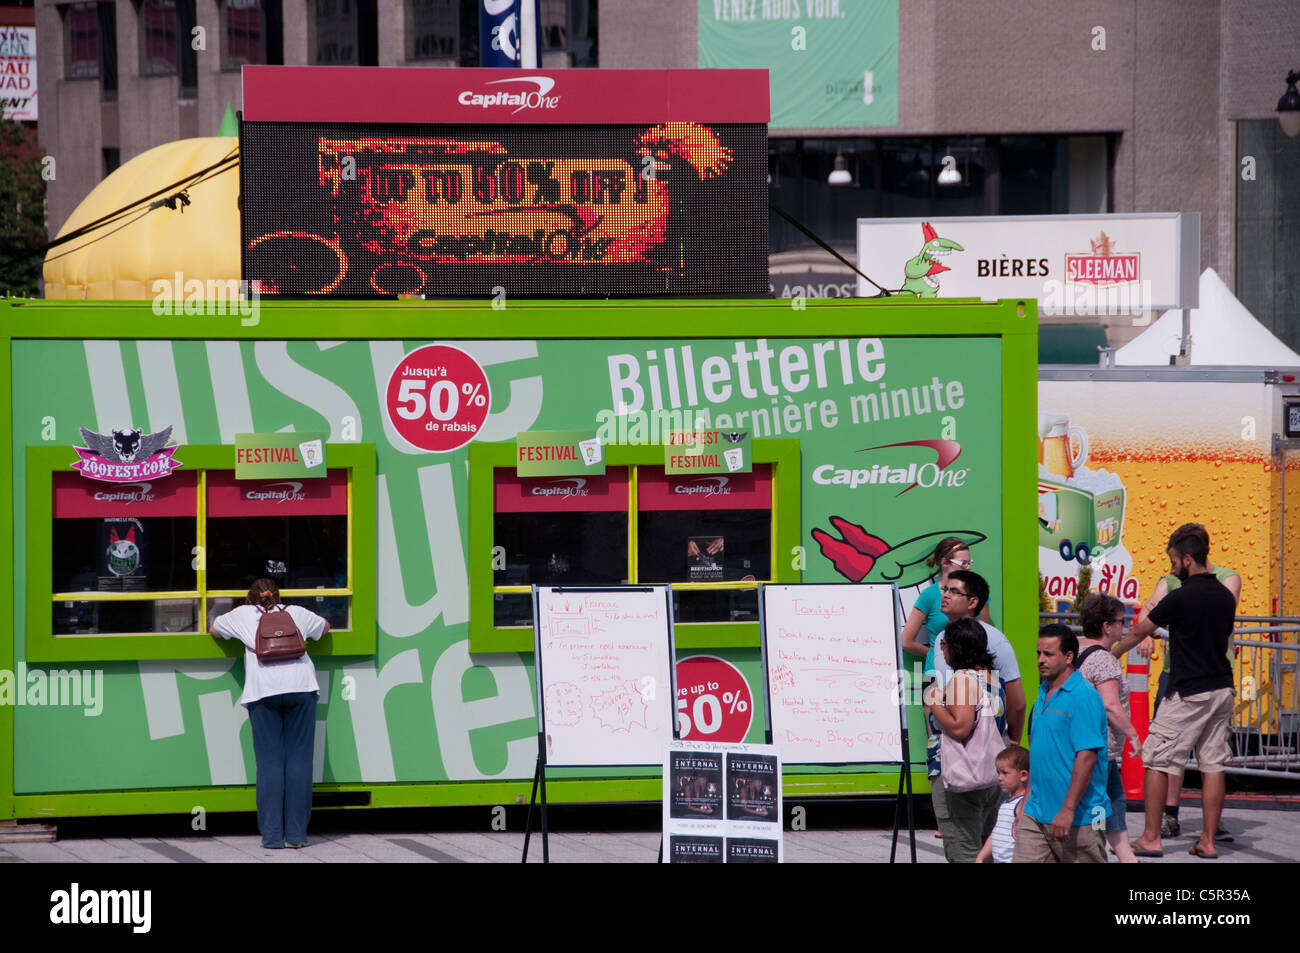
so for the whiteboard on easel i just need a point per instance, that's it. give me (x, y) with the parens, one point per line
(831, 660)
(604, 674)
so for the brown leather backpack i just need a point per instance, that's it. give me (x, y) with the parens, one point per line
(278, 638)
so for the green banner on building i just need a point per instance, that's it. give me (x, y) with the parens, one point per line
(831, 63)
(559, 453)
(278, 456)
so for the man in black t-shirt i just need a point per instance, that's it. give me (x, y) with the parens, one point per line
(1197, 709)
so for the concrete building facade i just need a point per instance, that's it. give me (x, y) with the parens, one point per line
(1174, 86)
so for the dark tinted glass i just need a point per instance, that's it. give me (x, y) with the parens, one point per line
(298, 552)
(704, 545)
(126, 617)
(562, 549)
(146, 555)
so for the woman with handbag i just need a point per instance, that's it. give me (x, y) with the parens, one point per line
(280, 693)
(972, 719)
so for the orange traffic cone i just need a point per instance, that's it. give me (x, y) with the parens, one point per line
(1131, 769)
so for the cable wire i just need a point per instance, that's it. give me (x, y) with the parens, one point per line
(226, 164)
(789, 218)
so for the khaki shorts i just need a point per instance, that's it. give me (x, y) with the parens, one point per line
(1034, 844)
(1190, 723)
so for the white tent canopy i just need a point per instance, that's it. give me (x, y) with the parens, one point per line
(1223, 332)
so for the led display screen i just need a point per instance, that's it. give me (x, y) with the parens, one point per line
(357, 210)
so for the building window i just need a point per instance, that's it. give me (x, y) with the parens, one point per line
(245, 33)
(166, 48)
(925, 177)
(345, 33)
(1268, 228)
(81, 41)
(569, 26)
(434, 29)
(568, 31)
(555, 24)
(159, 38)
(112, 159)
(90, 44)
(252, 33)
(108, 51)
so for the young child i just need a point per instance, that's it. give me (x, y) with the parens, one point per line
(1013, 778)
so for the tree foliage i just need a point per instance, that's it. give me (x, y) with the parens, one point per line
(22, 210)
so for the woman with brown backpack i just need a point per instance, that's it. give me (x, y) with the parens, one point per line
(280, 693)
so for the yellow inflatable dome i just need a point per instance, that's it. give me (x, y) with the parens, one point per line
(199, 240)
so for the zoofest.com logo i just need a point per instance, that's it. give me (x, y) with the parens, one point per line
(179, 296)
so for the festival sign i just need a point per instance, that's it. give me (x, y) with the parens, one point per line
(559, 453)
(707, 451)
(1075, 264)
(494, 184)
(263, 456)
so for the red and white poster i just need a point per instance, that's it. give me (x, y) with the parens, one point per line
(18, 73)
(438, 398)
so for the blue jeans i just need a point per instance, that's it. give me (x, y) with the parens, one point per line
(1118, 800)
(284, 734)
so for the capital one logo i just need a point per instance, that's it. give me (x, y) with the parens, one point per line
(569, 486)
(534, 98)
(127, 493)
(293, 493)
(703, 486)
(927, 474)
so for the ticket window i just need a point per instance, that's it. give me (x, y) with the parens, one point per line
(556, 531)
(143, 558)
(123, 556)
(294, 532)
(632, 526)
(710, 536)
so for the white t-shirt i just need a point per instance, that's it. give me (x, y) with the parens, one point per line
(1004, 657)
(263, 679)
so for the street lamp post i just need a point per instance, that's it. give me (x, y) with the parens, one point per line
(1288, 107)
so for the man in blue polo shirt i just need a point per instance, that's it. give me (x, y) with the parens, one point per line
(1065, 815)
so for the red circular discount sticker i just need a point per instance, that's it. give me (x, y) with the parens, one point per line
(438, 398)
(713, 700)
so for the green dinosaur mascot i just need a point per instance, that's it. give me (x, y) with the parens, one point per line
(922, 270)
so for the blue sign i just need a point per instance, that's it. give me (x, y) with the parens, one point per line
(502, 26)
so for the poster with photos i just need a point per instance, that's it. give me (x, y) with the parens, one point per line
(695, 784)
(695, 849)
(722, 803)
(704, 558)
(752, 783)
(121, 563)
